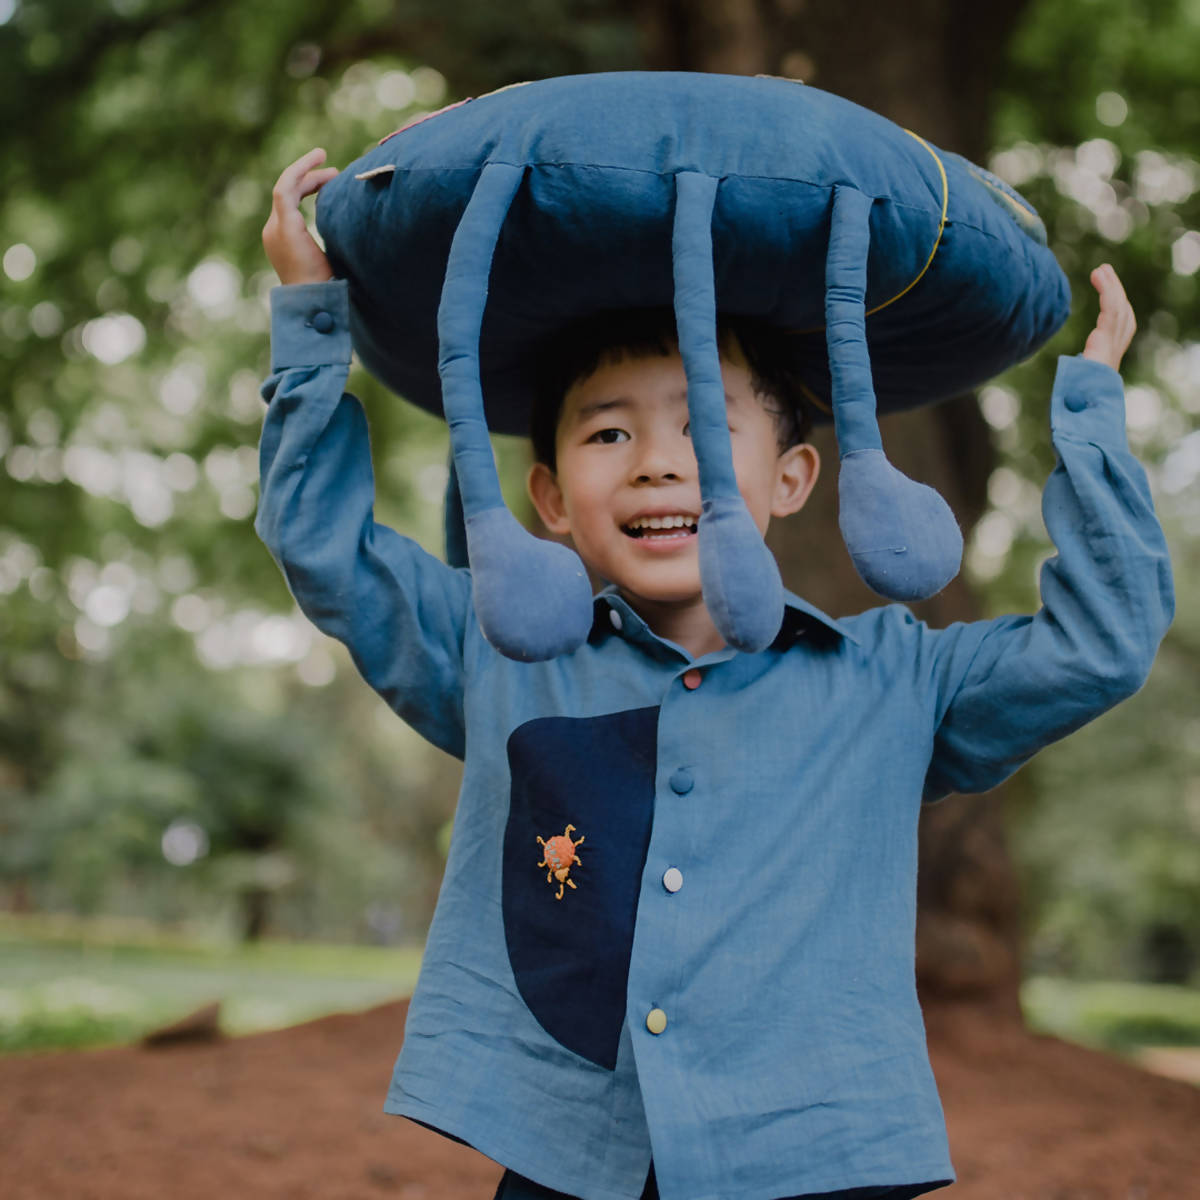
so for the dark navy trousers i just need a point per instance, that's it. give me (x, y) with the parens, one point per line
(517, 1187)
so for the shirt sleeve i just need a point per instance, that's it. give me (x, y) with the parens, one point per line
(401, 612)
(1015, 684)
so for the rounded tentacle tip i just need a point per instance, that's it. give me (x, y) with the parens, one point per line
(903, 539)
(533, 599)
(739, 576)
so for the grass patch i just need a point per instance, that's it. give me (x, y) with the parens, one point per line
(69, 984)
(1112, 1015)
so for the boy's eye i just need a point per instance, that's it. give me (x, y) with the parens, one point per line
(607, 437)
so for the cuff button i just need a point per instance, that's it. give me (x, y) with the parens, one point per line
(1076, 402)
(322, 322)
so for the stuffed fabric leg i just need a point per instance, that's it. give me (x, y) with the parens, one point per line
(532, 598)
(901, 535)
(739, 576)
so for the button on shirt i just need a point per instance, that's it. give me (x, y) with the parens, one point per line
(751, 840)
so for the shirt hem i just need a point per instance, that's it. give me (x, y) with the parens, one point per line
(433, 1119)
(926, 1177)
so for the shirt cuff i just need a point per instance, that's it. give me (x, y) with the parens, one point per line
(1088, 402)
(310, 325)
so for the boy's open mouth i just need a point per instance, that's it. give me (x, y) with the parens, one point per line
(672, 527)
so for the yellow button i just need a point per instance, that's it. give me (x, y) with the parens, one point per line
(656, 1020)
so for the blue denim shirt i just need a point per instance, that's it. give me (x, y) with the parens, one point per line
(727, 980)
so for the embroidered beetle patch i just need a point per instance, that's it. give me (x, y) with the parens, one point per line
(559, 857)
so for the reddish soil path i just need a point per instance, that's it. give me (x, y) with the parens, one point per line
(296, 1115)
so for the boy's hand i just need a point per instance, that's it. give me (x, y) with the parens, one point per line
(1115, 326)
(294, 254)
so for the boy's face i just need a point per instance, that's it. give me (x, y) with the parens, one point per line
(625, 463)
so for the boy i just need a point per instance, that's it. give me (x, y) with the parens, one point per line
(677, 916)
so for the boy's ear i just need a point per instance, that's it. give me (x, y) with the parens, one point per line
(795, 475)
(547, 497)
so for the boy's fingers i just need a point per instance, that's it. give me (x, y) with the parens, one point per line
(1116, 324)
(287, 187)
(314, 158)
(313, 181)
(1115, 309)
(296, 170)
(1108, 283)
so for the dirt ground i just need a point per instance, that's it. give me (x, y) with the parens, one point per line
(296, 1114)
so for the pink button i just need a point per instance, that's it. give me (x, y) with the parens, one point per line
(691, 679)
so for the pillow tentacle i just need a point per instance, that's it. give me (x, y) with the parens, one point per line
(532, 597)
(739, 576)
(454, 529)
(901, 535)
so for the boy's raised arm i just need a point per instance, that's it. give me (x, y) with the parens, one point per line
(1016, 684)
(401, 612)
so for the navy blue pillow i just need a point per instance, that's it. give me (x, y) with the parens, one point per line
(907, 275)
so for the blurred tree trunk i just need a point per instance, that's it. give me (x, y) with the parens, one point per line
(929, 65)
(256, 913)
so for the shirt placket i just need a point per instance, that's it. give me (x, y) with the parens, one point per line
(670, 908)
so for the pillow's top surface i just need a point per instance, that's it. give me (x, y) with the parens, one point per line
(959, 278)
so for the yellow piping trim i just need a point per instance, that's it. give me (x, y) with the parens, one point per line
(814, 399)
(937, 241)
(1021, 210)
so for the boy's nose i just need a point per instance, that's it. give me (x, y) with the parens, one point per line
(660, 463)
(656, 476)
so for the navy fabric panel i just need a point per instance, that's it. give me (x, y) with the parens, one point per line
(570, 957)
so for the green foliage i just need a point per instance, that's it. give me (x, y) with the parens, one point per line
(152, 672)
(74, 984)
(143, 679)
(1098, 124)
(68, 1016)
(149, 677)
(1115, 1016)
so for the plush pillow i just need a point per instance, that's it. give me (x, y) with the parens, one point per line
(905, 274)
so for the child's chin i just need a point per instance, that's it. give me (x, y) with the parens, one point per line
(666, 546)
(674, 593)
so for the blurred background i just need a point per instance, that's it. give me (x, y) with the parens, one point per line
(198, 795)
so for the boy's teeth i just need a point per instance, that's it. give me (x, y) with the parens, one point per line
(671, 522)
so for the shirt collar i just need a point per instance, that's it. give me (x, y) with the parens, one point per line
(611, 614)
(809, 616)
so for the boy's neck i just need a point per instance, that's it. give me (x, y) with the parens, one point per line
(688, 625)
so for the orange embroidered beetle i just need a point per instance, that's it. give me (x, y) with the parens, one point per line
(559, 858)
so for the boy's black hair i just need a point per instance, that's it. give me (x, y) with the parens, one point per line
(580, 349)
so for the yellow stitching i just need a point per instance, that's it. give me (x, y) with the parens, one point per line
(1029, 223)
(821, 404)
(941, 224)
(936, 241)
(508, 87)
(814, 399)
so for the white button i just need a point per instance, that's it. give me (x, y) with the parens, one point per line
(656, 1021)
(615, 618)
(673, 879)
